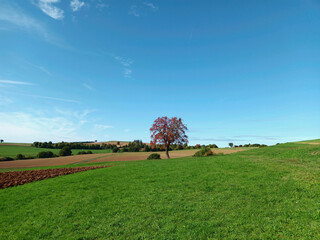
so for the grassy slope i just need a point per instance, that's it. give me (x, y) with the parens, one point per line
(266, 193)
(12, 151)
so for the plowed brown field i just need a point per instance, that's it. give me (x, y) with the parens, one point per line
(104, 157)
(10, 179)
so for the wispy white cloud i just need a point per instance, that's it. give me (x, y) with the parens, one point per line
(76, 5)
(15, 82)
(101, 126)
(79, 115)
(48, 8)
(126, 63)
(134, 11)
(127, 130)
(151, 6)
(53, 98)
(39, 67)
(38, 126)
(50, 125)
(101, 5)
(127, 72)
(5, 101)
(15, 16)
(87, 86)
(258, 137)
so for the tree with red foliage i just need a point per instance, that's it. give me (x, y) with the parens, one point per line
(166, 131)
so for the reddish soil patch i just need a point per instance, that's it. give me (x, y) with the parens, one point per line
(10, 179)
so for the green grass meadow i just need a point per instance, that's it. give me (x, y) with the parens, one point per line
(265, 193)
(12, 151)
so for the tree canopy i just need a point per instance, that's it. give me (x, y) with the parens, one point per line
(166, 131)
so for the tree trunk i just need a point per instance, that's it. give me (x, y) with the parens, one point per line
(167, 151)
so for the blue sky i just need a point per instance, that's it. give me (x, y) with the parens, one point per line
(234, 71)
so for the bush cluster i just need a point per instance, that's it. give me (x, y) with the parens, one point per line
(65, 151)
(84, 152)
(6, 159)
(21, 157)
(154, 156)
(46, 154)
(203, 152)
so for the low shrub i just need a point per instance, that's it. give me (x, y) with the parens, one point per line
(154, 156)
(263, 145)
(84, 152)
(203, 152)
(46, 154)
(20, 156)
(6, 159)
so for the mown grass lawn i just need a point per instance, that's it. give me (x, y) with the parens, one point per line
(266, 193)
(13, 151)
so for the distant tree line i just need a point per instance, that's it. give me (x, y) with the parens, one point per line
(139, 146)
(72, 145)
(135, 146)
(248, 145)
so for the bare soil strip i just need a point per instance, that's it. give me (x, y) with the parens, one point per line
(10, 179)
(311, 143)
(43, 162)
(105, 157)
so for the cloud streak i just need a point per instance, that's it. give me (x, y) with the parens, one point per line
(87, 86)
(54, 98)
(15, 82)
(151, 6)
(50, 125)
(134, 11)
(15, 16)
(48, 8)
(126, 63)
(103, 127)
(100, 5)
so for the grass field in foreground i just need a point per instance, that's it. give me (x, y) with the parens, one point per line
(266, 193)
(12, 151)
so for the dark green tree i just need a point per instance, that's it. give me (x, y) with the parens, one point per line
(65, 151)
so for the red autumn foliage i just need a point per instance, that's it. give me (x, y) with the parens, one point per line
(166, 131)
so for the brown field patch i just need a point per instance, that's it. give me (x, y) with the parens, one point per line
(16, 144)
(105, 157)
(135, 156)
(10, 179)
(42, 162)
(311, 143)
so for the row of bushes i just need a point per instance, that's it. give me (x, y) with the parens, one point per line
(84, 152)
